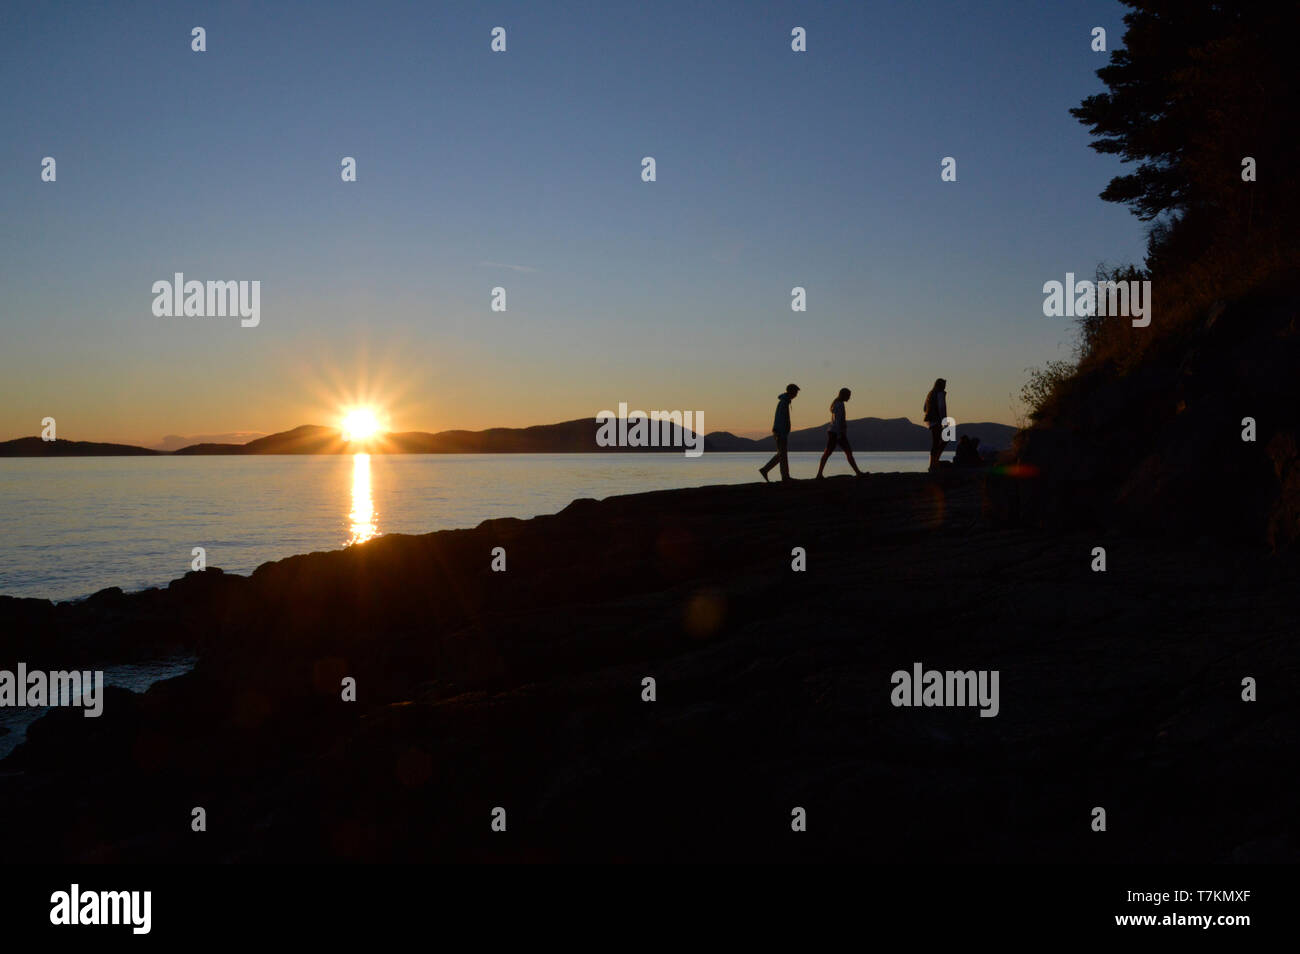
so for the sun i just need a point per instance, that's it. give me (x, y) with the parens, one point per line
(360, 424)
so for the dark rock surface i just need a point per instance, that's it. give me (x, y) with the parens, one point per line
(523, 690)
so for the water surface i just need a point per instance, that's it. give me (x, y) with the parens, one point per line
(76, 525)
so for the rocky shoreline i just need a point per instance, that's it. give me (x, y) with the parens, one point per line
(523, 689)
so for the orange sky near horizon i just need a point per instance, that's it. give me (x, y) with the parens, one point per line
(132, 418)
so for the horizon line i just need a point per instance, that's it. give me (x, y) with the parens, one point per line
(759, 434)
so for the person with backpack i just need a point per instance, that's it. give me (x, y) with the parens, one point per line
(936, 410)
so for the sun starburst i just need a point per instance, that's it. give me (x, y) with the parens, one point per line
(360, 424)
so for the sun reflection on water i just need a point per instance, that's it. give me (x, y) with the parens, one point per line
(362, 517)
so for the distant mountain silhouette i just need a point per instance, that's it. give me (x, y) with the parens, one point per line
(306, 439)
(568, 437)
(176, 441)
(36, 447)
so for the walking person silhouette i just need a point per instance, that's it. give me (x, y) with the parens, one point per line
(838, 434)
(781, 431)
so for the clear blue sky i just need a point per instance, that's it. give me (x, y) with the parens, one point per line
(775, 169)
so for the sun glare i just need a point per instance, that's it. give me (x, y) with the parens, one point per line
(361, 521)
(360, 424)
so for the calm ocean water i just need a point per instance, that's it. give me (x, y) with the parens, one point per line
(76, 525)
(134, 676)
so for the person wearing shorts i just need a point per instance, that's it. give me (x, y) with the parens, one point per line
(838, 434)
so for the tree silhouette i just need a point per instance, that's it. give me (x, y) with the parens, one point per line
(1199, 86)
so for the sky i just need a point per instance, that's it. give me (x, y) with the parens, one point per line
(523, 169)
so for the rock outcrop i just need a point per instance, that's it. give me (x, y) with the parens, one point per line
(1160, 447)
(524, 690)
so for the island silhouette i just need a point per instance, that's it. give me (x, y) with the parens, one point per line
(568, 437)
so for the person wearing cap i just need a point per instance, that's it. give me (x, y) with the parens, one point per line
(781, 431)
